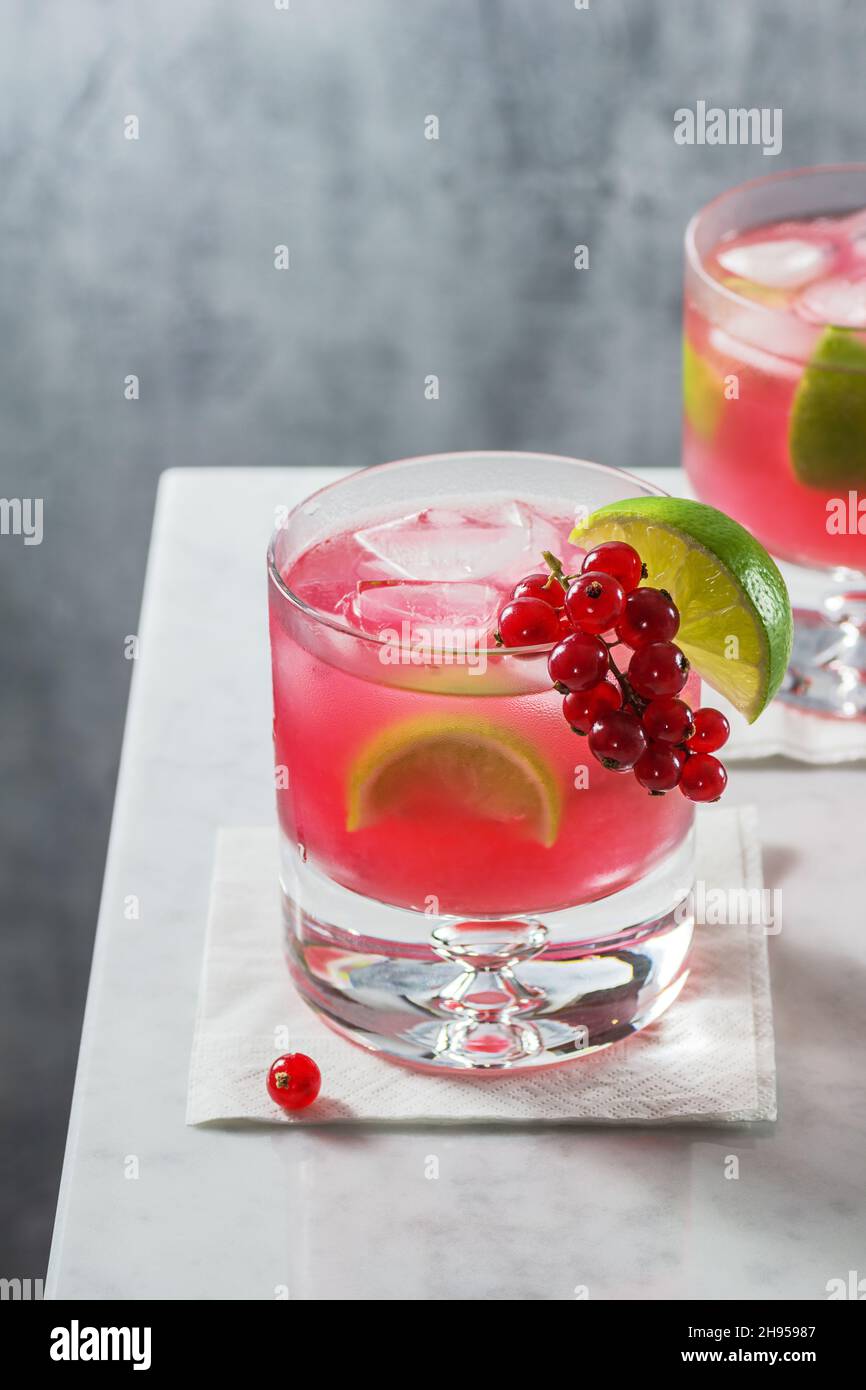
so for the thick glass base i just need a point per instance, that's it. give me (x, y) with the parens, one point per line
(445, 993)
(827, 674)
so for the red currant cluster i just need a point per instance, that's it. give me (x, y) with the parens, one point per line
(634, 719)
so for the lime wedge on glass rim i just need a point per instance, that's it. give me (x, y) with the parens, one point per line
(455, 761)
(827, 428)
(735, 615)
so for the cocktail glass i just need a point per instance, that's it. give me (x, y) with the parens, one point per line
(463, 885)
(775, 402)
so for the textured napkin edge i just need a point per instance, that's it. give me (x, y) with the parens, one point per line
(759, 974)
(800, 735)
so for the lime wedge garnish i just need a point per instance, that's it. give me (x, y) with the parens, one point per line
(454, 761)
(827, 431)
(735, 614)
(702, 392)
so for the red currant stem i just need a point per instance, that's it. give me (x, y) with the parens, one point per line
(631, 699)
(554, 564)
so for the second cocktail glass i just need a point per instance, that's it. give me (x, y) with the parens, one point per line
(774, 426)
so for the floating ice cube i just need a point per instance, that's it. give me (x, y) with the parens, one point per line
(439, 544)
(840, 301)
(542, 533)
(783, 265)
(388, 604)
(429, 546)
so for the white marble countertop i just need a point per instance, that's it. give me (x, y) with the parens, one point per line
(150, 1208)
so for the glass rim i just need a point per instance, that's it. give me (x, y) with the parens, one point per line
(332, 621)
(693, 259)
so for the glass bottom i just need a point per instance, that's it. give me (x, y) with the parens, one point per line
(827, 674)
(444, 993)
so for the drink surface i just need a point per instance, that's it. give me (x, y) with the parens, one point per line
(775, 387)
(426, 768)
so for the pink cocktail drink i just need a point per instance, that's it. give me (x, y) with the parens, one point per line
(429, 791)
(774, 378)
(471, 799)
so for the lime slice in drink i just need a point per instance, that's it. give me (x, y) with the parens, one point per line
(703, 396)
(827, 431)
(763, 294)
(735, 614)
(462, 762)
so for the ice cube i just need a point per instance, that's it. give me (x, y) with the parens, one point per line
(432, 606)
(784, 265)
(840, 301)
(440, 544)
(432, 547)
(542, 533)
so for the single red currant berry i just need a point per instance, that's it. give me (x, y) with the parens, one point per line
(711, 731)
(668, 720)
(542, 586)
(617, 740)
(294, 1081)
(528, 622)
(582, 707)
(703, 778)
(578, 662)
(659, 768)
(594, 602)
(650, 615)
(620, 560)
(659, 668)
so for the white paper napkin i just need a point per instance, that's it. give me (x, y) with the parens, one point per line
(710, 1058)
(785, 731)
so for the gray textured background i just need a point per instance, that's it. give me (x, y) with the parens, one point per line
(409, 257)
